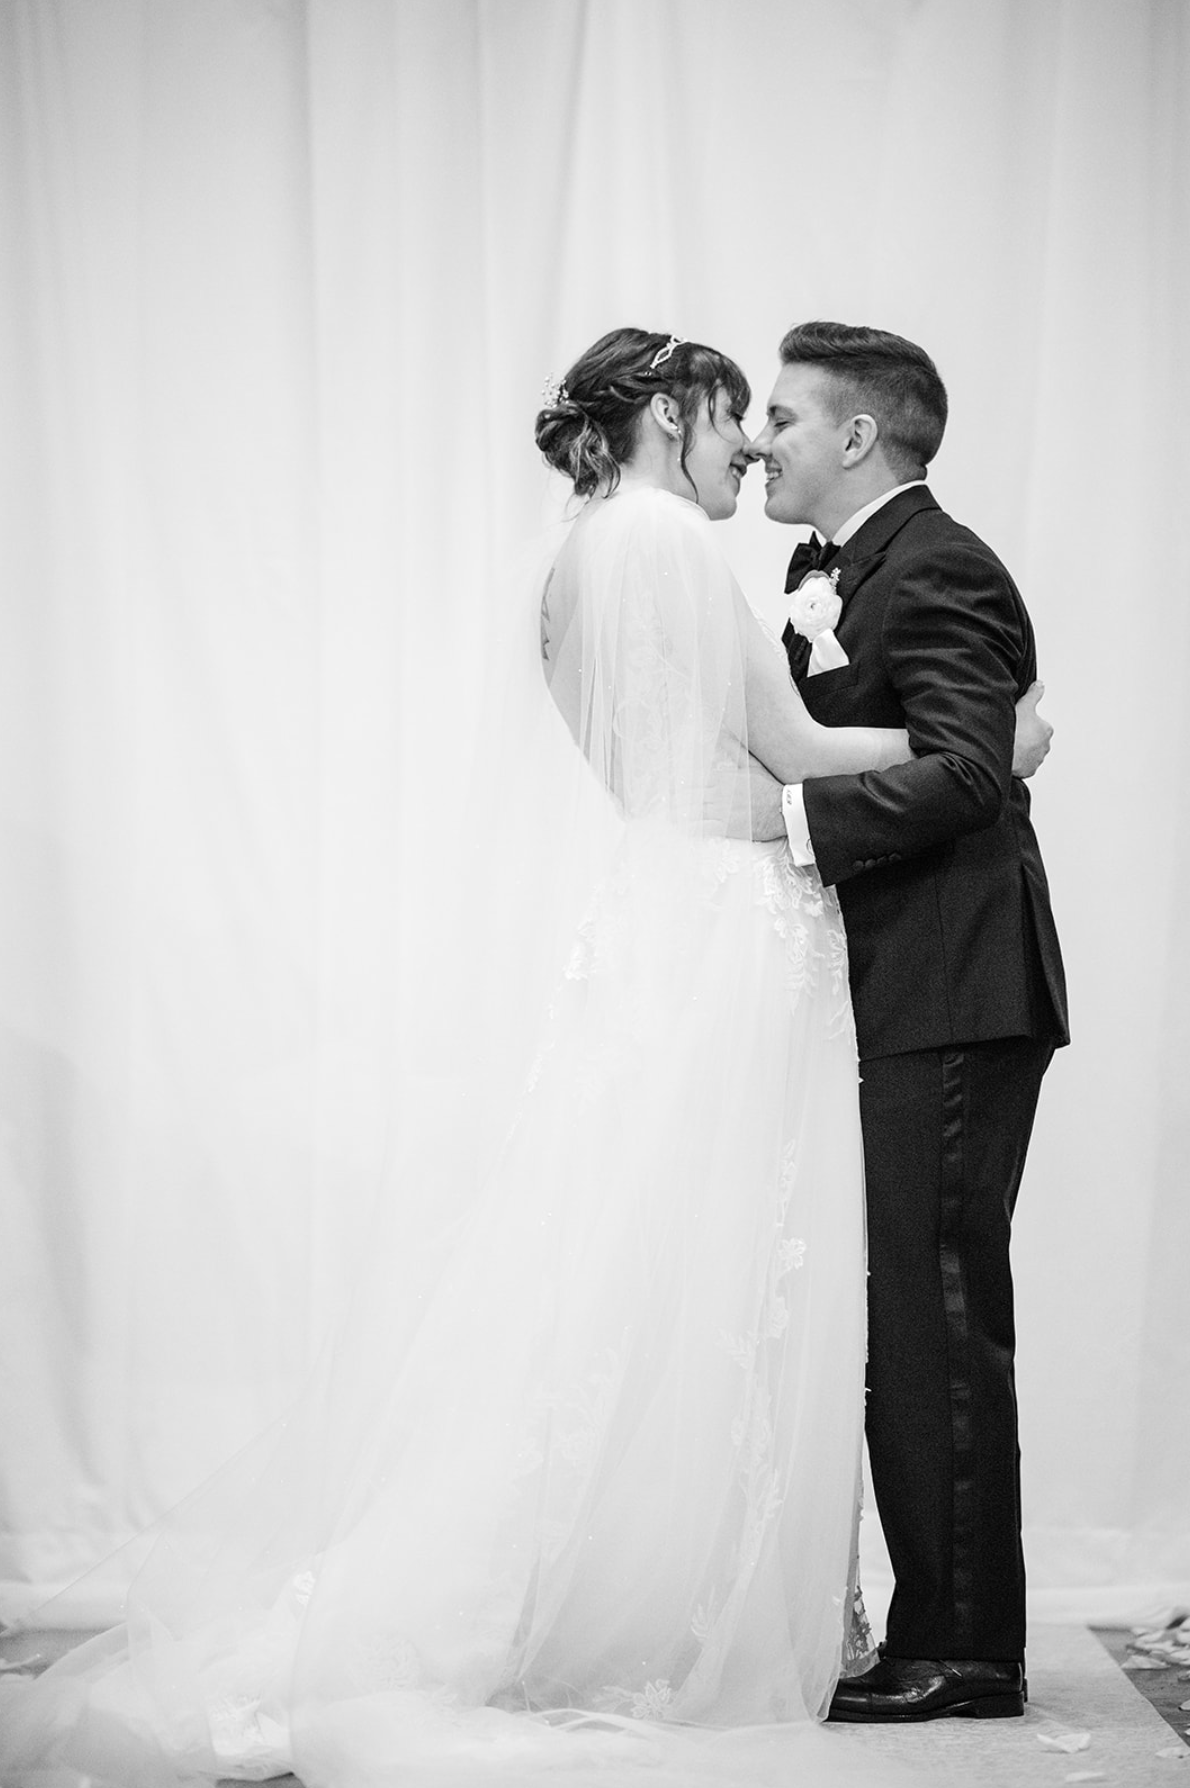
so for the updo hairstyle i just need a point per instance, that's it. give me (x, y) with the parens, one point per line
(591, 428)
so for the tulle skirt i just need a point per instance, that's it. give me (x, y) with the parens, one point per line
(581, 1477)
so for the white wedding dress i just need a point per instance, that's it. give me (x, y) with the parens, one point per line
(578, 1488)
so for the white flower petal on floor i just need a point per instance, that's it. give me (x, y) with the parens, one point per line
(1065, 1741)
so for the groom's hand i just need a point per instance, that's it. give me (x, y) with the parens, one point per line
(1033, 734)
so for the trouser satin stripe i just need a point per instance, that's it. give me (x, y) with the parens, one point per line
(958, 1340)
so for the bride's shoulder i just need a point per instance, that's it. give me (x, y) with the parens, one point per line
(663, 508)
(646, 516)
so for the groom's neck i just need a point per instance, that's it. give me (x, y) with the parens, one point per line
(849, 496)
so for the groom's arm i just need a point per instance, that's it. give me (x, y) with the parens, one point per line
(957, 651)
(778, 810)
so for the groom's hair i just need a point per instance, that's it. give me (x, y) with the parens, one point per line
(882, 375)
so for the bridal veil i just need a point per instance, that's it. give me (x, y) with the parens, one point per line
(576, 1484)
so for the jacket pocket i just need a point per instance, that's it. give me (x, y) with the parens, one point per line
(825, 681)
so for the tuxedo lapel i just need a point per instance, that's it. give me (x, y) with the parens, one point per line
(797, 648)
(862, 555)
(867, 549)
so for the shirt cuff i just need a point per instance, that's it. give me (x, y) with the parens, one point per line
(797, 827)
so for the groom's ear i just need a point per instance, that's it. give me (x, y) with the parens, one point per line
(861, 437)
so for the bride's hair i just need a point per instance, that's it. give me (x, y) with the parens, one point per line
(590, 428)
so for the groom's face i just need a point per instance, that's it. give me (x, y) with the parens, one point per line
(801, 446)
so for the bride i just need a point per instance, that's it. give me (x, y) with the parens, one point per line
(580, 1478)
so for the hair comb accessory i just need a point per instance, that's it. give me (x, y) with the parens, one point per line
(553, 393)
(663, 354)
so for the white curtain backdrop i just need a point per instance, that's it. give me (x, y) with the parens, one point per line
(280, 284)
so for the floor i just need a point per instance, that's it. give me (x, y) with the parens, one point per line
(1092, 1717)
(1110, 1707)
(1158, 1663)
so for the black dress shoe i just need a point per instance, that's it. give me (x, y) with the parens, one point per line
(931, 1689)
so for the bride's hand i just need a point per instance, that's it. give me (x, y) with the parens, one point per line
(1033, 734)
(766, 821)
(745, 806)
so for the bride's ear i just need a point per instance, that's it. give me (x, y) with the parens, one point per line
(665, 413)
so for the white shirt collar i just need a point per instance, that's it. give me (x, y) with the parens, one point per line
(855, 522)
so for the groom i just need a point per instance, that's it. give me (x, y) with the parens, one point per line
(956, 981)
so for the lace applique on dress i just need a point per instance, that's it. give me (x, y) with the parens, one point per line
(243, 1686)
(653, 1702)
(242, 1735)
(752, 1431)
(562, 1445)
(859, 1649)
(580, 1416)
(807, 917)
(720, 859)
(788, 1256)
(595, 950)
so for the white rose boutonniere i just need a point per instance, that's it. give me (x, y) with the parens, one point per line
(814, 613)
(816, 604)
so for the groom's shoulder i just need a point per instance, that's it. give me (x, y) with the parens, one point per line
(929, 530)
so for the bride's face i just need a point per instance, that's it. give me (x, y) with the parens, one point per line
(716, 461)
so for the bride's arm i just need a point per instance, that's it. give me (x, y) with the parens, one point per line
(783, 735)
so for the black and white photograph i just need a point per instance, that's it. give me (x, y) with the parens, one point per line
(594, 971)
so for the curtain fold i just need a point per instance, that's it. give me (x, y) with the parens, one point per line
(279, 288)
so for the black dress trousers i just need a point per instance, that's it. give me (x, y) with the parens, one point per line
(945, 1137)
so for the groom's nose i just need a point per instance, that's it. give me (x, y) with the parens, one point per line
(757, 448)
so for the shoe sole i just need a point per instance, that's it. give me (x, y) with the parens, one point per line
(980, 1707)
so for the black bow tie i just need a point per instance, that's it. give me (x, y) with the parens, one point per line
(812, 555)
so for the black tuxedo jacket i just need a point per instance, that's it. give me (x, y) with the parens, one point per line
(949, 927)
